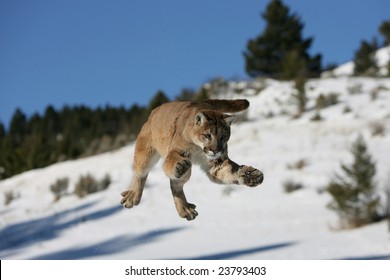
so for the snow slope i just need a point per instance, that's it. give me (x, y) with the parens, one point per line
(234, 222)
(382, 57)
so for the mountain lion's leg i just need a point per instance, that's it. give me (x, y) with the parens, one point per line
(226, 171)
(145, 156)
(184, 209)
(177, 166)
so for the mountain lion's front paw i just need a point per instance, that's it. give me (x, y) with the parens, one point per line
(250, 176)
(130, 199)
(182, 167)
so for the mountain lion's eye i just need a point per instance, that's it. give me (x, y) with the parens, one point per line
(207, 136)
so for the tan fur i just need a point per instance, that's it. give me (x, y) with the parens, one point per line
(183, 133)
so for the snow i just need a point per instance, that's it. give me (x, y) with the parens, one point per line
(382, 57)
(234, 222)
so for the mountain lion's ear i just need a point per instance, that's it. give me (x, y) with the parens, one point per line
(200, 118)
(229, 119)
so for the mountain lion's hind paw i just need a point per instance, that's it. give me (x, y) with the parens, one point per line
(130, 199)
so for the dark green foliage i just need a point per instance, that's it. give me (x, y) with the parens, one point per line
(290, 186)
(59, 188)
(2, 131)
(384, 29)
(88, 184)
(280, 51)
(317, 117)
(388, 69)
(71, 132)
(293, 66)
(365, 62)
(63, 134)
(324, 101)
(105, 182)
(159, 99)
(186, 95)
(354, 196)
(387, 203)
(9, 196)
(202, 94)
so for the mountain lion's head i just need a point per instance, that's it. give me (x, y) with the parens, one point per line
(212, 132)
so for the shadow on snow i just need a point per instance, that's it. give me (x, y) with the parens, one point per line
(373, 257)
(243, 252)
(16, 236)
(114, 245)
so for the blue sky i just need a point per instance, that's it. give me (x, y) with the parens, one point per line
(118, 52)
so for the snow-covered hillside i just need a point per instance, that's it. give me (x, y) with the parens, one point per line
(234, 222)
(382, 57)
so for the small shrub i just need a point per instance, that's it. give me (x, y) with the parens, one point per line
(105, 182)
(88, 184)
(377, 129)
(299, 164)
(269, 115)
(375, 92)
(324, 101)
(317, 117)
(300, 96)
(59, 188)
(8, 197)
(388, 75)
(355, 89)
(374, 95)
(387, 203)
(290, 186)
(347, 109)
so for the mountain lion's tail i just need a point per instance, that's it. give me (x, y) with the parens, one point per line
(228, 106)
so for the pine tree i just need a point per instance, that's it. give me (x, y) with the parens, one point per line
(186, 95)
(365, 62)
(354, 195)
(159, 99)
(388, 69)
(2, 131)
(384, 29)
(265, 54)
(18, 127)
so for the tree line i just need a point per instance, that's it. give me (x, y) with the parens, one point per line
(67, 133)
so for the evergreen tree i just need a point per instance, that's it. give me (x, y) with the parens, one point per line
(186, 95)
(202, 94)
(18, 127)
(68, 133)
(282, 36)
(354, 195)
(384, 29)
(293, 66)
(159, 99)
(2, 131)
(365, 62)
(388, 69)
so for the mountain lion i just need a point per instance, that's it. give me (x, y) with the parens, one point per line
(186, 132)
